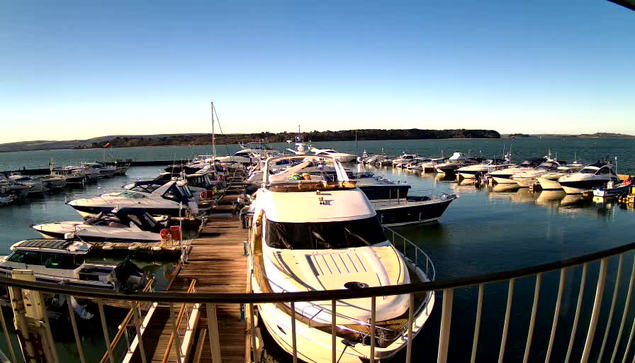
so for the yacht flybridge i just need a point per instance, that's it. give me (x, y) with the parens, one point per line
(171, 199)
(317, 234)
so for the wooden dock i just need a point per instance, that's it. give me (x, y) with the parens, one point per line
(218, 263)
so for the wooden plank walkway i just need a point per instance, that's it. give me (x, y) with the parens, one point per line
(218, 263)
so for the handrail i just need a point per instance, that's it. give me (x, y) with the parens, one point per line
(190, 290)
(318, 295)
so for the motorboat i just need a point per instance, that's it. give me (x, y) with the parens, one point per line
(105, 171)
(66, 263)
(33, 186)
(549, 180)
(318, 235)
(455, 162)
(479, 170)
(412, 210)
(591, 176)
(6, 199)
(613, 189)
(529, 178)
(74, 175)
(504, 176)
(404, 159)
(173, 199)
(119, 225)
(53, 182)
(431, 166)
(332, 153)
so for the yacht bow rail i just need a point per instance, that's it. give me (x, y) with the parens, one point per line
(591, 335)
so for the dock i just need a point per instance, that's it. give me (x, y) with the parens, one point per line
(216, 264)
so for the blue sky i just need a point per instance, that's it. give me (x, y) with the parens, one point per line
(79, 69)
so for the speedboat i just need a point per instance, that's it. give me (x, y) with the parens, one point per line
(482, 169)
(613, 189)
(332, 153)
(529, 178)
(549, 180)
(65, 262)
(431, 166)
(105, 171)
(172, 199)
(33, 186)
(404, 159)
(74, 175)
(591, 176)
(504, 176)
(120, 225)
(455, 162)
(318, 235)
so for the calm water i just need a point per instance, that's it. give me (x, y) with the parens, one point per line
(587, 150)
(483, 231)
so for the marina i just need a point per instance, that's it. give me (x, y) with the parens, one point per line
(213, 261)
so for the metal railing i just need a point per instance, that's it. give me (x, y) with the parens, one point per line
(593, 335)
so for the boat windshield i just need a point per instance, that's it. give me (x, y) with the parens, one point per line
(588, 171)
(326, 235)
(131, 195)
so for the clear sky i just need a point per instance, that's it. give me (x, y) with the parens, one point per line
(79, 69)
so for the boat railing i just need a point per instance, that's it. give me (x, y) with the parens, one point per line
(584, 305)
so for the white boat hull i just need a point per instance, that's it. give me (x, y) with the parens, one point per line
(315, 345)
(549, 184)
(499, 180)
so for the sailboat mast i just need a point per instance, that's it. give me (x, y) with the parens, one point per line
(213, 137)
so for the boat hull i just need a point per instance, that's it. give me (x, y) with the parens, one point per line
(549, 184)
(411, 212)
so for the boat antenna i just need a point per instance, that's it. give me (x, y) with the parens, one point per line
(213, 137)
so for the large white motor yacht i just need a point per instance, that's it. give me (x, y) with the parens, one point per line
(549, 180)
(487, 166)
(173, 198)
(529, 178)
(591, 176)
(318, 235)
(504, 176)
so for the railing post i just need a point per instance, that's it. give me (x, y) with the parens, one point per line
(175, 331)
(214, 340)
(508, 311)
(294, 334)
(104, 327)
(446, 320)
(373, 315)
(7, 337)
(595, 315)
(612, 309)
(556, 314)
(578, 308)
(333, 331)
(477, 321)
(254, 348)
(627, 305)
(136, 310)
(78, 341)
(411, 312)
(532, 320)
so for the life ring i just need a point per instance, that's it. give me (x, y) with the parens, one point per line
(165, 233)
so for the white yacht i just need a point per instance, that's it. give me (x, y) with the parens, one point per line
(404, 159)
(120, 225)
(549, 181)
(591, 176)
(504, 176)
(529, 178)
(173, 198)
(33, 186)
(487, 166)
(332, 153)
(64, 262)
(317, 235)
(455, 162)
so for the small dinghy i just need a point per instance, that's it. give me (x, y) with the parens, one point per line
(613, 190)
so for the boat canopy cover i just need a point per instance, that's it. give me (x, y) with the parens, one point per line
(52, 245)
(328, 235)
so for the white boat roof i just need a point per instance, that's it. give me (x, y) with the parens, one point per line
(315, 206)
(52, 246)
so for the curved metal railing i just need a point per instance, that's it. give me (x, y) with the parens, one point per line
(447, 288)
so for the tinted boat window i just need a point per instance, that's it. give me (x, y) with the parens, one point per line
(328, 235)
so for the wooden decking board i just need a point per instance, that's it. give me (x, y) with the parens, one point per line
(218, 264)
